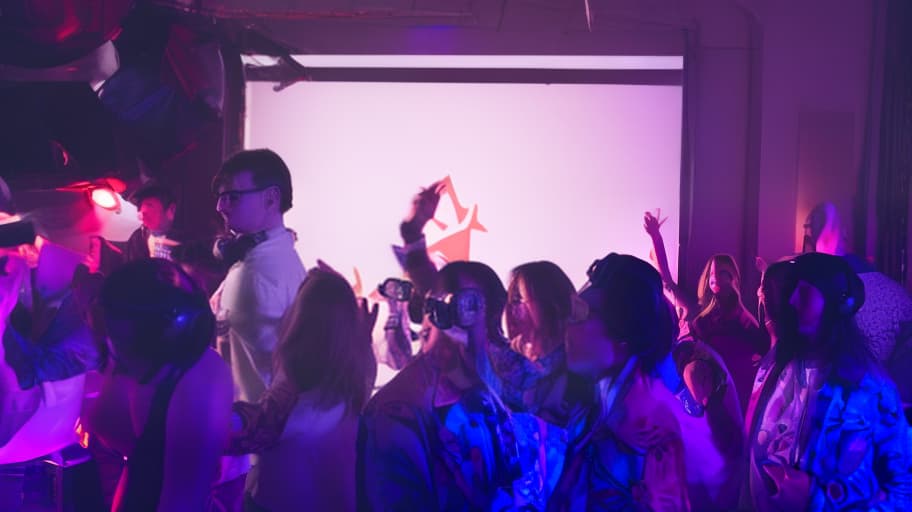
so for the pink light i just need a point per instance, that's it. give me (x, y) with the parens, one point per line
(105, 198)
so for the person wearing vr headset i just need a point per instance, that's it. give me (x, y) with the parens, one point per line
(825, 424)
(166, 399)
(437, 436)
(885, 319)
(643, 441)
(540, 305)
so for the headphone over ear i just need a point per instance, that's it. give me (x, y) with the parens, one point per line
(840, 286)
(235, 248)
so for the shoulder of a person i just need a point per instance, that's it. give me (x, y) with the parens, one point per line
(210, 372)
(409, 391)
(274, 258)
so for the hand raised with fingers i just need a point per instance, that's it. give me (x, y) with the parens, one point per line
(652, 223)
(367, 316)
(424, 207)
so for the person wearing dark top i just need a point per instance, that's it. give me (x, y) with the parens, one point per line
(157, 235)
(885, 319)
(166, 400)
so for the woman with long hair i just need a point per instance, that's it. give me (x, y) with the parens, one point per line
(325, 362)
(539, 302)
(726, 325)
(825, 424)
(717, 316)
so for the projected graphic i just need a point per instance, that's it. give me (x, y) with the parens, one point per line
(557, 172)
(456, 244)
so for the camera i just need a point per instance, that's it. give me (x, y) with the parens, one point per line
(396, 289)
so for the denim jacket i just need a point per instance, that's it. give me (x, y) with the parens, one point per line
(424, 446)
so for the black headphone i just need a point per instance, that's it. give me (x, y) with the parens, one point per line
(843, 290)
(614, 265)
(232, 249)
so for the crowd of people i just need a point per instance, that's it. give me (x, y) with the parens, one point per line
(631, 393)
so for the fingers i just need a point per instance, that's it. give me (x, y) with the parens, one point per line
(368, 314)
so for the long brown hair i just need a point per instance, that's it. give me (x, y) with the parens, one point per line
(323, 347)
(552, 291)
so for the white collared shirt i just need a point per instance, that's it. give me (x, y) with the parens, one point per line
(249, 306)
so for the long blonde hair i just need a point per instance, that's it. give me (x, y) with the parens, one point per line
(706, 299)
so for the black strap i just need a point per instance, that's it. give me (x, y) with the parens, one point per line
(146, 465)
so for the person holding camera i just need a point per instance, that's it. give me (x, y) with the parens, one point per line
(437, 437)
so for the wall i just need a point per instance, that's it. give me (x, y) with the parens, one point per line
(778, 105)
(816, 69)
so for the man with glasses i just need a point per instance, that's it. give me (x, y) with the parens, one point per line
(254, 191)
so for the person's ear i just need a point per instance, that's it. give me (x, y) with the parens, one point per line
(273, 195)
(170, 212)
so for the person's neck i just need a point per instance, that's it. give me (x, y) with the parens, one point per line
(266, 227)
(272, 224)
(727, 301)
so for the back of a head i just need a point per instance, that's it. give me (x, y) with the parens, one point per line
(452, 276)
(166, 315)
(323, 348)
(552, 292)
(267, 169)
(823, 230)
(633, 306)
(776, 287)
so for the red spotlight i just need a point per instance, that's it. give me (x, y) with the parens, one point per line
(105, 198)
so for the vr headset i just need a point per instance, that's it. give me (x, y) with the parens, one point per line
(396, 289)
(462, 309)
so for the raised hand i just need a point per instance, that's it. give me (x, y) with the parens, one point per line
(367, 316)
(424, 206)
(653, 223)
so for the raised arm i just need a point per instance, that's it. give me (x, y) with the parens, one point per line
(415, 262)
(653, 224)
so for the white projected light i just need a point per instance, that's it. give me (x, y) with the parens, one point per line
(560, 172)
